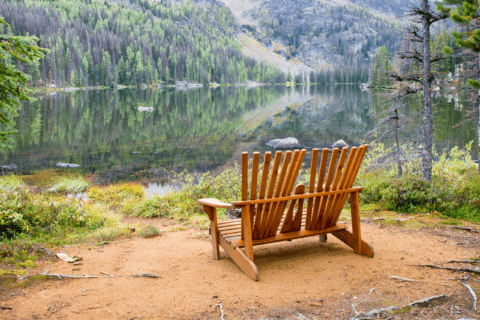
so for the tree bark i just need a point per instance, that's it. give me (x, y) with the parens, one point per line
(427, 140)
(478, 123)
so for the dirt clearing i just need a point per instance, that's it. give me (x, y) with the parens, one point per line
(301, 279)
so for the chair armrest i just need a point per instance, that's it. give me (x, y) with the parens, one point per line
(215, 203)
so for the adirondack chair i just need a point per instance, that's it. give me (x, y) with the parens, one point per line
(271, 213)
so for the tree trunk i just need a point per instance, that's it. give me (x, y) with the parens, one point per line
(478, 123)
(397, 151)
(427, 140)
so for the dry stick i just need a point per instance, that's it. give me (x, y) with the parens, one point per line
(221, 310)
(85, 276)
(473, 295)
(403, 279)
(463, 269)
(413, 304)
(463, 261)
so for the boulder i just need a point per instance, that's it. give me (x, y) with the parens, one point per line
(68, 165)
(11, 167)
(287, 143)
(340, 144)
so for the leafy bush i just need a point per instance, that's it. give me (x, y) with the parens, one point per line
(454, 190)
(182, 205)
(148, 231)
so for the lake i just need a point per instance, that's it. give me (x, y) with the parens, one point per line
(134, 134)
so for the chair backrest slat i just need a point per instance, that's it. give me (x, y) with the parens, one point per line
(278, 189)
(328, 182)
(293, 171)
(334, 186)
(253, 184)
(311, 186)
(321, 177)
(262, 191)
(271, 187)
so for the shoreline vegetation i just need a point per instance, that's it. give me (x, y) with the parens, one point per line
(43, 211)
(182, 85)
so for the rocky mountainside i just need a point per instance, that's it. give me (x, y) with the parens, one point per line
(323, 34)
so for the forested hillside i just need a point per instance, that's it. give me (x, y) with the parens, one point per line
(324, 35)
(128, 42)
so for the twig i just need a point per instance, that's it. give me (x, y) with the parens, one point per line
(374, 312)
(403, 279)
(108, 274)
(463, 261)
(463, 269)
(371, 290)
(425, 301)
(464, 229)
(473, 295)
(222, 316)
(145, 275)
(302, 316)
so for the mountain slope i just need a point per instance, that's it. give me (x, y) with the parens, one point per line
(322, 34)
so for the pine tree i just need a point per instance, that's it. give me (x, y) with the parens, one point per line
(12, 81)
(466, 12)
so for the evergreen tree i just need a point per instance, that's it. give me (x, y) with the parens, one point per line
(14, 49)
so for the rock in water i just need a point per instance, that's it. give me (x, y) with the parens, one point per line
(340, 144)
(287, 143)
(68, 165)
(12, 167)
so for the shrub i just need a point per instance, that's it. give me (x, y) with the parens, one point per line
(148, 231)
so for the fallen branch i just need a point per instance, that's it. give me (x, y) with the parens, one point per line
(145, 275)
(473, 295)
(463, 269)
(469, 229)
(403, 279)
(374, 312)
(463, 261)
(222, 317)
(426, 301)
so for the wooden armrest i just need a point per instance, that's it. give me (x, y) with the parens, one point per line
(215, 203)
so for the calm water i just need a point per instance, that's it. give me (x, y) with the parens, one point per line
(134, 133)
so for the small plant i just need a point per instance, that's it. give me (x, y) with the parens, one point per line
(148, 231)
(69, 184)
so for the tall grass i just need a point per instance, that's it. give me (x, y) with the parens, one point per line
(69, 184)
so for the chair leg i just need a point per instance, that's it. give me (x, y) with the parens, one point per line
(242, 261)
(323, 237)
(351, 241)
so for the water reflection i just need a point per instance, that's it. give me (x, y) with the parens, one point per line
(131, 134)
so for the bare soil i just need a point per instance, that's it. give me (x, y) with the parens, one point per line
(301, 279)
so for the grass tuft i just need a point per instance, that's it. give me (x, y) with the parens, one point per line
(69, 184)
(148, 231)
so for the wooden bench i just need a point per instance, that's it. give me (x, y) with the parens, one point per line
(273, 210)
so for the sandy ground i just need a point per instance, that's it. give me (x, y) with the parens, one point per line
(301, 279)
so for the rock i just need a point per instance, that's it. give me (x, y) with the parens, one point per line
(68, 165)
(143, 109)
(11, 167)
(234, 213)
(287, 143)
(340, 144)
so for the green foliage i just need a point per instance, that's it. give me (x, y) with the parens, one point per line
(13, 49)
(182, 205)
(454, 190)
(381, 68)
(114, 195)
(69, 184)
(135, 42)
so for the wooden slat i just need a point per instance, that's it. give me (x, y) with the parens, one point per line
(289, 236)
(289, 187)
(253, 184)
(277, 210)
(336, 180)
(278, 189)
(299, 216)
(350, 180)
(271, 188)
(247, 232)
(318, 200)
(263, 187)
(338, 205)
(288, 221)
(244, 179)
(311, 186)
(324, 199)
(304, 196)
